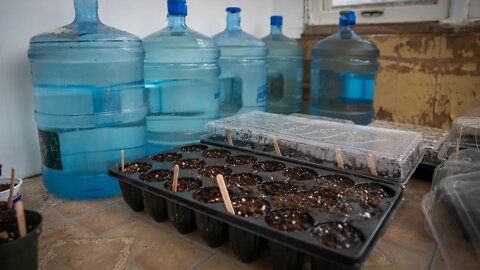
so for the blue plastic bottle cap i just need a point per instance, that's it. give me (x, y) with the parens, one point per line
(347, 17)
(177, 7)
(276, 20)
(233, 9)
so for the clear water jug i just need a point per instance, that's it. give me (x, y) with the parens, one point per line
(243, 79)
(343, 71)
(182, 81)
(285, 70)
(89, 103)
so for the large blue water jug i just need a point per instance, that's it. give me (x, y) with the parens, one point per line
(243, 81)
(343, 71)
(285, 70)
(89, 103)
(182, 80)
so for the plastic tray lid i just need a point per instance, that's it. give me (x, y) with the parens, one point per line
(465, 133)
(467, 160)
(393, 150)
(455, 220)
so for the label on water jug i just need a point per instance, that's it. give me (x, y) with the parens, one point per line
(262, 93)
(50, 149)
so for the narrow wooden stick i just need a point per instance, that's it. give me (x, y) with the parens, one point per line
(22, 226)
(229, 137)
(176, 171)
(277, 148)
(339, 158)
(225, 196)
(12, 186)
(122, 160)
(457, 147)
(371, 164)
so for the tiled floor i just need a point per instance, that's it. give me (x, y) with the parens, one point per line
(106, 234)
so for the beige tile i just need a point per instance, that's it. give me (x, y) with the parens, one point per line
(145, 235)
(172, 254)
(50, 219)
(104, 220)
(376, 259)
(262, 262)
(218, 263)
(88, 254)
(64, 231)
(402, 258)
(410, 214)
(71, 209)
(414, 240)
(195, 239)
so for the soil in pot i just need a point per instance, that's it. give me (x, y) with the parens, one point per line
(243, 183)
(337, 181)
(372, 190)
(277, 188)
(4, 187)
(268, 166)
(216, 153)
(212, 171)
(166, 157)
(191, 163)
(248, 206)
(208, 195)
(300, 173)
(289, 220)
(3, 206)
(194, 148)
(136, 167)
(157, 176)
(185, 184)
(337, 235)
(241, 160)
(9, 228)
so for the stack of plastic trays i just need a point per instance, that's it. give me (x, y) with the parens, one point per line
(433, 139)
(383, 154)
(464, 134)
(453, 217)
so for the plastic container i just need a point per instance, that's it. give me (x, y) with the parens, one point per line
(21, 253)
(262, 188)
(285, 70)
(323, 118)
(89, 103)
(453, 218)
(394, 154)
(343, 70)
(467, 160)
(465, 133)
(243, 79)
(182, 80)
(17, 188)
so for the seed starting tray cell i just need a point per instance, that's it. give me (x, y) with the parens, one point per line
(334, 217)
(382, 154)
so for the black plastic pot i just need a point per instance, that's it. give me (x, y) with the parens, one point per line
(22, 253)
(212, 230)
(155, 206)
(132, 196)
(182, 218)
(285, 258)
(246, 245)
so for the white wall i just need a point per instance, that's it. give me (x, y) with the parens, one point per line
(22, 19)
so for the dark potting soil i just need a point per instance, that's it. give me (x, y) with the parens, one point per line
(166, 157)
(248, 206)
(277, 188)
(337, 235)
(241, 160)
(157, 176)
(243, 179)
(208, 195)
(4, 187)
(136, 167)
(289, 220)
(3, 206)
(9, 229)
(216, 153)
(373, 190)
(194, 148)
(335, 181)
(268, 166)
(212, 171)
(191, 163)
(300, 173)
(185, 184)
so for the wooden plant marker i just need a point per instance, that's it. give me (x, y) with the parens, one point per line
(122, 160)
(12, 186)
(22, 226)
(371, 164)
(339, 158)
(277, 148)
(176, 171)
(457, 147)
(229, 137)
(225, 196)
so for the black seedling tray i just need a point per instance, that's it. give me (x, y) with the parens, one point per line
(344, 202)
(294, 155)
